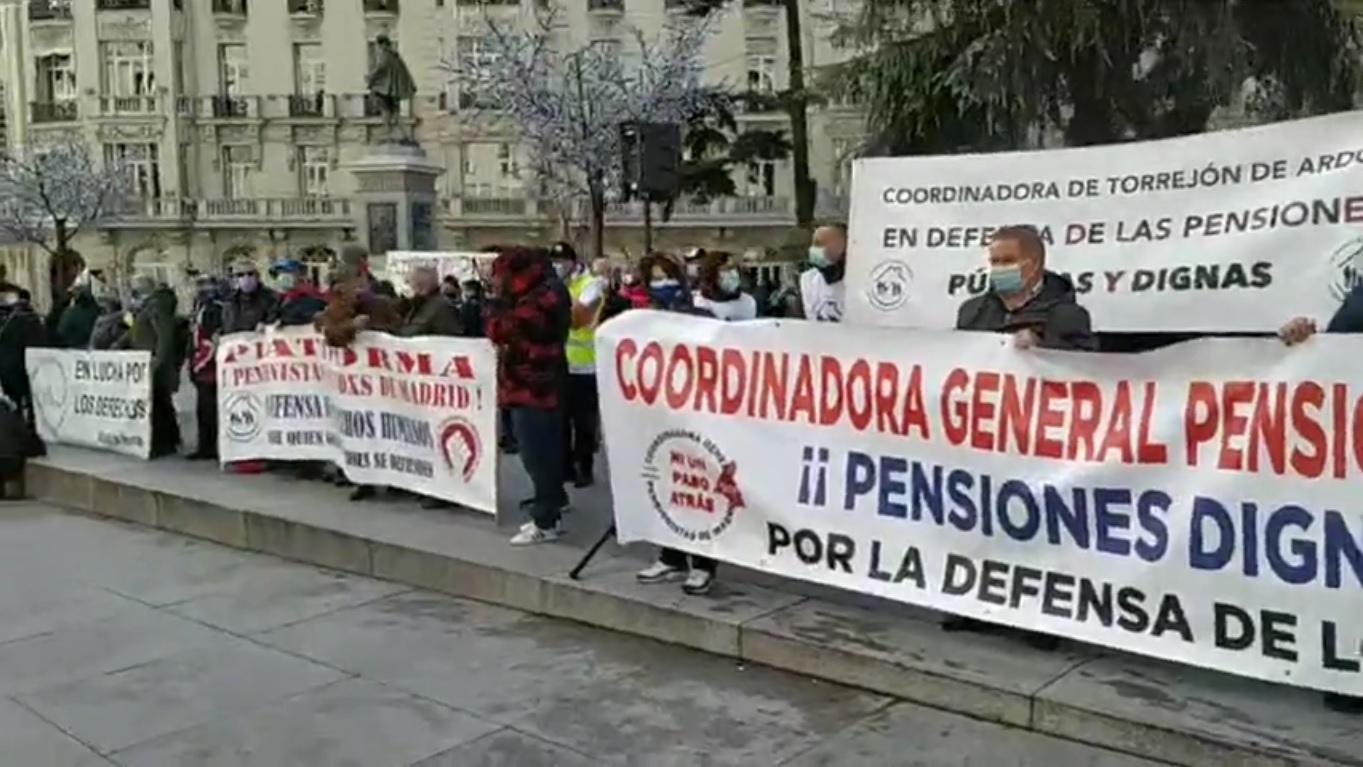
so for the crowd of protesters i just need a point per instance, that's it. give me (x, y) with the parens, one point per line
(541, 308)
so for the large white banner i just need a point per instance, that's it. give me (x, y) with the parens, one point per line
(93, 399)
(1230, 231)
(413, 413)
(1199, 503)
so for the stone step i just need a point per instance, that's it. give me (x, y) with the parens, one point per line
(1157, 710)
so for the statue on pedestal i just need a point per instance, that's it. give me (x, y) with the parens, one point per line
(390, 83)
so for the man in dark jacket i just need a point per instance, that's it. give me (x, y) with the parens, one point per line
(1038, 309)
(78, 319)
(1348, 318)
(299, 300)
(427, 312)
(205, 325)
(21, 329)
(154, 330)
(251, 304)
(528, 317)
(471, 309)
(1035, 306)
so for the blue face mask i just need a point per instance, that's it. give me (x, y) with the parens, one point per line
(1006, 280)
(818, 257)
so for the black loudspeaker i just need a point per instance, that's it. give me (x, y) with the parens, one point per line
(651, 159)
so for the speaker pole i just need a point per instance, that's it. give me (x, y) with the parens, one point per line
(648, 223)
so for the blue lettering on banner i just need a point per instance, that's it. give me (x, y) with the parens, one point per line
(1287, 543)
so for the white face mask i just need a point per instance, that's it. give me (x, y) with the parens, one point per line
(563, 269)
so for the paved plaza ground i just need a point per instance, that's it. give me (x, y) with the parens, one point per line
(122, 645)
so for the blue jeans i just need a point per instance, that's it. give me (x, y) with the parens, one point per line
(540, 434)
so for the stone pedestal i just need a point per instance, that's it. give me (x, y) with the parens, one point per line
(395, 199)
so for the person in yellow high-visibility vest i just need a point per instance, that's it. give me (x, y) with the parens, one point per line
(582, 414)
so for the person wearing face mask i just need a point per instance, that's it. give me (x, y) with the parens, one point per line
(299, 300)
(205, 324)
(77, 321)
(1037, 307)
(428, 312)
(21, 329)
(250, 305)
(581, 410)
(822, 291)
(721, 290)
(667, 291)
(154, 329)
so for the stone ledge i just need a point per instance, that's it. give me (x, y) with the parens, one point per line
(1151, 709)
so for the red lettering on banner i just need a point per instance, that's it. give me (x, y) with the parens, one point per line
(680, 378)
(982, 410)
(955, 420)
(1149, 451)
(1200, 415)
(1308, 394)
(1049, 418)
(830, 404)
(1015, 414)
(625, 352)
(707, 378)
(733, 381)
(1269, 430)
(1117, 435)
(1085, 416)
(1236, 397)
(648, 389)
(802, 404)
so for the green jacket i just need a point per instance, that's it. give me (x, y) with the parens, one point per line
(431, 315)
(78, 322)
(153, 331)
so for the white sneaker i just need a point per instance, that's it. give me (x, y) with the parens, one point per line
(660, 572)
(535, 534)
(698, 582)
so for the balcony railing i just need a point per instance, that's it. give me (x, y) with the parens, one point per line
(54, 111)
(127, 105)
(228, 107)
(253, 211)
(381, 6)
(49, 10)
(605, 5)
(724, 211)
(229, 7)
(306, 7)
(312, 105)
(123, 5)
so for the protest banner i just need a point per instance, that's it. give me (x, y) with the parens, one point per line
(462, 266)
(93, 399)
(1198, 503)
(412, 413)
(1225, 231)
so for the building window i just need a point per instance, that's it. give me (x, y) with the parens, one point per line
(238, 171)
(128, 69)
(844, 151)
(761, 58)
(508, 163)
(309, 69)
(761, 180)
(56, 78)
(139, 162)
(314, 168)
(232, 69)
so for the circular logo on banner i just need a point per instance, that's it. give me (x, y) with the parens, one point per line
(889, 288)
(1347, 261)
(460, 446)
(244, 418)
(693, 487)
(51, 390)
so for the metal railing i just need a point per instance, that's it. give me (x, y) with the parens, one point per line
(123, 5)
(49, 10)
(306, 7)
(54, 111)
(380, 6)
(311, 105)
(605, 5)
(230, 7)
(127, 105)
(262, 210)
